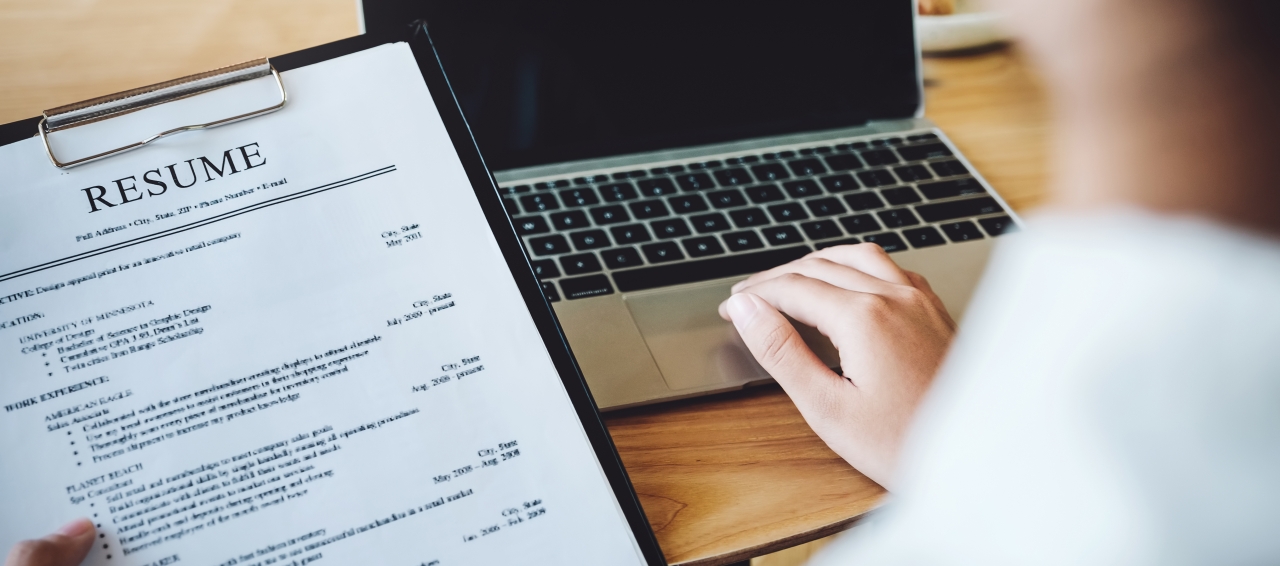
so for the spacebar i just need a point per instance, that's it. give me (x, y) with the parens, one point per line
(705, 269)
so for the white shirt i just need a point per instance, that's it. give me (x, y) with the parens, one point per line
(1112, 398)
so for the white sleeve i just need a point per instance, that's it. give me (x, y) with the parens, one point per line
(1113, 398)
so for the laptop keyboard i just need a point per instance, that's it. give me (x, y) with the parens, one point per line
(702, 220)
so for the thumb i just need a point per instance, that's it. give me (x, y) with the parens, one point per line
(782, 352)
(67, 547)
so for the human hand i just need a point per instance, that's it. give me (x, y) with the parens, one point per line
(890, 329)
(66, 547)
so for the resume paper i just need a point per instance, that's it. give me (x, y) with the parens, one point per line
(290, 340)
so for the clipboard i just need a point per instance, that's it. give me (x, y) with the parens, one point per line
(482, 182)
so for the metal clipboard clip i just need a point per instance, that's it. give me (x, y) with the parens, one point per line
(120, 103)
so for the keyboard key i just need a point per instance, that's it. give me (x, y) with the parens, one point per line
(860, 224)
(609, 214)
(545, 268)
(748, 217)
(898, 218)
(829, 206)
(802, 189)
(695, 181)
(742, 241)
(998, 225)
(618, 192)
(924, 237)
(539, 202)
(621, 258)
(657, 187)
(863, 201)
(788, 212)
(889, 241)
(630, 234)
(688, 203)
(821, 230)
(832, 244)
(583, 287)
(765, 193)
(949, 168)
(896, 141)
(509, 204)
(549, 291)
(708, 223)
(591, 179)
(653, 277)
(702, 247)
(520, 189)
(530, 225)
(844, 162)
(662, 252)
(923, 152)
(673, 228)
(579, 264)
(913, 173)
(549, 245)
(900, 195)
(727, 199)
(877, 178)
(584, 196)
(770, 172)
(734, 176)
(806, 167)
(782, 235)
(569, 220)
(589, 239)
(962, 231)
(645, 210)
(840, 183)
(948, 189)
(958, 209)
(879, 157)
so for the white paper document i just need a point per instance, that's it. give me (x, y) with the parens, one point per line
(291, 340)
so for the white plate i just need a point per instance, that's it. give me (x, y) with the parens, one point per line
(968, 28)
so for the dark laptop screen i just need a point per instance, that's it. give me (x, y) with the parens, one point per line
(547, 81)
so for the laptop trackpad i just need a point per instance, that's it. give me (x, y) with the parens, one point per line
(691, 344)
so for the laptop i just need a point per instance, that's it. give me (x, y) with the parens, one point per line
(653, 154)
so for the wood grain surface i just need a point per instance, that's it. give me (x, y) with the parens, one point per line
(722, 478)
(55, 52)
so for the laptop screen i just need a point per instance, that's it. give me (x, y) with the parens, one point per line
(548, 81)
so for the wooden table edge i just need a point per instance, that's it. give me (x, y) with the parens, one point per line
(797, 539)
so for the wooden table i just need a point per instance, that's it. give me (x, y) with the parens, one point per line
(723, 478)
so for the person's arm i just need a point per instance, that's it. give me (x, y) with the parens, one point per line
(66, 547)
(891, 330)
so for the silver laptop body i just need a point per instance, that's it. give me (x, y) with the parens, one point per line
(666, 341)
(645, 176)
